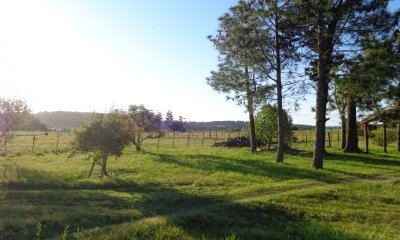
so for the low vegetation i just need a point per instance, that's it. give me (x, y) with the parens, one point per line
(201, 193)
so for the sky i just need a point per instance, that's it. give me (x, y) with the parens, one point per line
(94, 55)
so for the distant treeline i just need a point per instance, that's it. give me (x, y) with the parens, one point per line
(70, 120)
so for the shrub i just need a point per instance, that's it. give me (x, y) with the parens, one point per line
(391, 136)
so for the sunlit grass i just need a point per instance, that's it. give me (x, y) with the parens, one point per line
(203, 193)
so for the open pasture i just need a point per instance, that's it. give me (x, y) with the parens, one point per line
(202, 193)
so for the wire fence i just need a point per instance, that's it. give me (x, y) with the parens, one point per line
(52, 142)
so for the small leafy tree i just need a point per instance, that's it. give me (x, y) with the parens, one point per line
(143, 120)
(169, 118)
(102, 136)
(266, 125)
(13, 114)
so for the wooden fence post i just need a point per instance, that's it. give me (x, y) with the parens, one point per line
(33, 143)
(158, 142)
(384, 138)
(306, 139)
(188, 140)
(202, 141)
(173, 140)
(58, 139)
(338, 138)
(5, 145)
(329, 139)
(216, 136)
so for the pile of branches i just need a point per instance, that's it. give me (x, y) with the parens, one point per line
(242, 141)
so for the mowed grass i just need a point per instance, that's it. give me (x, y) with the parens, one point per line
(202, 193)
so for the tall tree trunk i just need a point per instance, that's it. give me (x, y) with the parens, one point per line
(366, 137)
(325, 49)
(343, 130)
(104, 166)
(321, 101)
(398, 137)
(250, 109)
(252, 132)
(281, 126)
(351, 126)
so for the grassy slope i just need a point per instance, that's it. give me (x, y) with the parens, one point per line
(202, 193)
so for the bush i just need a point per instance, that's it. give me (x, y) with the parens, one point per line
(391, 136)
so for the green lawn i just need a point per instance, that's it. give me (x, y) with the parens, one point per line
(202, 193)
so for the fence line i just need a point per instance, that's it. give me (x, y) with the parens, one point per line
(39, 142)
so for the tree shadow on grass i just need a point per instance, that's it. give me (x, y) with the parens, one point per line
(105, 208)
(365, 158)
(212, 163)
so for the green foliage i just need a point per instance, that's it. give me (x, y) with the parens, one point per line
(38, 231)
(13, 114)
(143, 120)
(103, 136)
(64, 234)
(391, 136)
(267, 125)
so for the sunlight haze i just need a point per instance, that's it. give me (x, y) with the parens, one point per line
(95, 55)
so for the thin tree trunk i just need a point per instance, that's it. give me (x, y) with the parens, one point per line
(250, 109)
(91, 169)
(252, 133)
(351, 126)
(366, 137)
(104, 166)
(343, 130)
(281, 126)
(398, 137)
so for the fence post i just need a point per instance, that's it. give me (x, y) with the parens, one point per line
(329, 139)
(188, 140)
(33, 143)
(202, 141)
(173, 140)
(5, 145)
(338, 138)
(229, 134)
(306, 139)
(216, 136)
(58, 139)
(384, 138)
(158, 142)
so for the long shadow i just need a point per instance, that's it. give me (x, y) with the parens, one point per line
(214, 163)
(197, 216)
(364, 158)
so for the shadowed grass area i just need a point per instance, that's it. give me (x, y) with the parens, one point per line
(202, 193)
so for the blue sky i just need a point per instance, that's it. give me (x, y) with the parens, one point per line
(95, 54)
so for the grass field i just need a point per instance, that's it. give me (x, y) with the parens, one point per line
(202, 193)
(51, 142)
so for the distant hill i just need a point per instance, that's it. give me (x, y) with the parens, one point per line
(62, 119)
(216, 126)
(70, 120)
